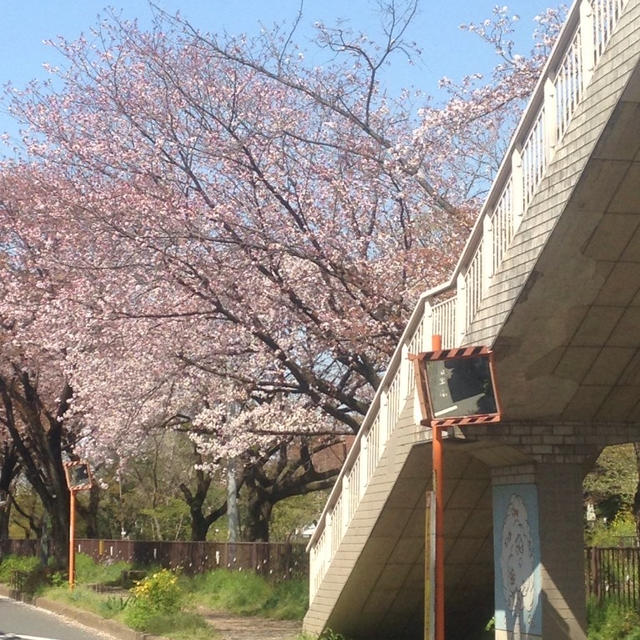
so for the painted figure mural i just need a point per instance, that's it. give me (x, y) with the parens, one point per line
(517, 562)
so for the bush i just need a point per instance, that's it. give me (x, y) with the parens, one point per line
(602, 534)
(11, 563)
(154, 597)
(290, 600)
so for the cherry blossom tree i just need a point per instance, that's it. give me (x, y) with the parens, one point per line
(35, 391)
(291, 211)
(204, 220)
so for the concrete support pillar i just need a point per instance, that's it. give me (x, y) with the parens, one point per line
(562, 544)
(539, 553)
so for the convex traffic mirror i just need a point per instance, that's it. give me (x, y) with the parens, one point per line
(457, 386)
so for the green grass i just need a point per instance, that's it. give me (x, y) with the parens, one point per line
(610, 621)
(90, 572)
(325, 635)
(183, 625)
(245, 593)
(105, 605)
(236, 592)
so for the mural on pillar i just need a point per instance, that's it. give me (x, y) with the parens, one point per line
(517, 561)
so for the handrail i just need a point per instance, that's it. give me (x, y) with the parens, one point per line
(559, 90)
(373, 410)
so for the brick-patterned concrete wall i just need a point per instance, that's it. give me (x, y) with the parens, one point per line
(563, 442)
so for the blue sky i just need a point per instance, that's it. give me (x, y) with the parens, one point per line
(447, 51)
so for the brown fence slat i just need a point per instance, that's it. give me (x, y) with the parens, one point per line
(276, 559)
(611, 574)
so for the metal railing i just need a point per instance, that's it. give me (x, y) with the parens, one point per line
(559, 91)
(612, 574)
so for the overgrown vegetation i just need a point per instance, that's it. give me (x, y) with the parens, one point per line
(328, 634)
(11, 563)
(89, 571)
(165, 603)
(611, 534)
(246, 593)
(612, 622)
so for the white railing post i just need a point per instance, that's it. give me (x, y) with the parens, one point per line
(405, 371)
(328, 527)
(364, 464)
(384, 421)
(313, 572)
(550, 119)
(587, 41)
(346, 504)
(488, 249)
(461, 311)
(427, 327)
(517, 189)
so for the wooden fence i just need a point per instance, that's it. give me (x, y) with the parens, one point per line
(612, 575)
(274, 559)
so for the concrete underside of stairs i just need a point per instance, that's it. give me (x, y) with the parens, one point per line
(384, 593)
(568, 344)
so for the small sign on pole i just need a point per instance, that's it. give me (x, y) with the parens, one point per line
(78, 475)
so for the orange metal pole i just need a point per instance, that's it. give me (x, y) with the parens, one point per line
(438, 488)
(72, 538)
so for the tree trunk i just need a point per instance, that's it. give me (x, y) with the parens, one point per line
(59, 514)
(40, 437)
(9, 470)
(260, 507)
(200, 522)
(5, 518)
(199, 525)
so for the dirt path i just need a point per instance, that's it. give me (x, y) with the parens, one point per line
(237, 628)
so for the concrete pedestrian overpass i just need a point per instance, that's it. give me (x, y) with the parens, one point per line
(550, 278)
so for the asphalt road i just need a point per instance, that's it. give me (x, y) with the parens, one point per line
(19, 621)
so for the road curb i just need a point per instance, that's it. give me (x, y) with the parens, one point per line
(86, 618)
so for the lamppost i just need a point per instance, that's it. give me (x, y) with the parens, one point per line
(78, 476)
(455, 387)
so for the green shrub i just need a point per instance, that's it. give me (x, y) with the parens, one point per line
(241, 592)
(155, 596)
(603, 534)
(11, 563)
(290, 600)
